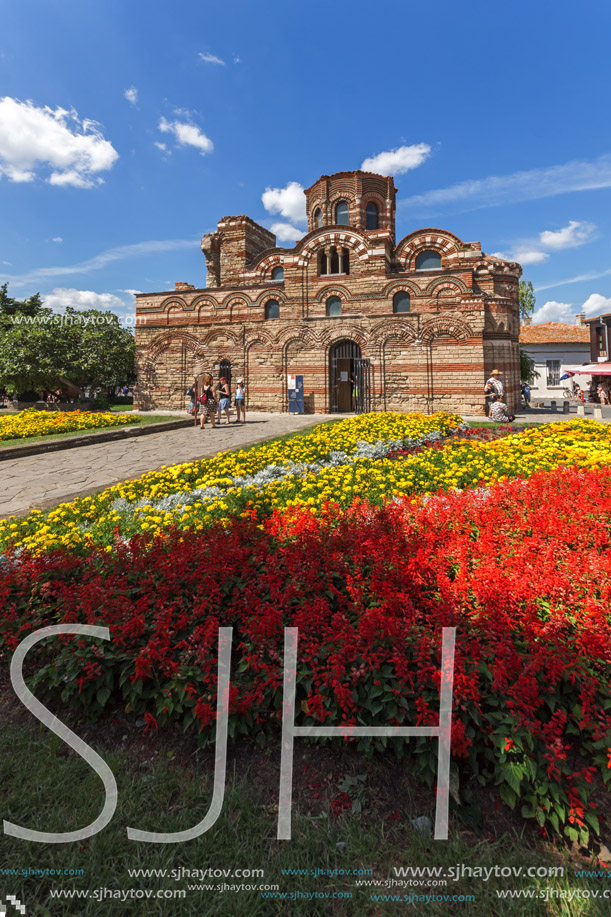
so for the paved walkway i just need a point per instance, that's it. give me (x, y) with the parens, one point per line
(43, 481)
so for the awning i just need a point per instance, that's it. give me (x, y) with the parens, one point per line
(594, 369)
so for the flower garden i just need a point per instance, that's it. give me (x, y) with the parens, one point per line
(33, 422)
(369, 535)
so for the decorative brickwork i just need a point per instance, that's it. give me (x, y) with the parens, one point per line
(463, 319)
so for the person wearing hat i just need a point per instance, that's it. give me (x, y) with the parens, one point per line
(494, 386)
(240, 400)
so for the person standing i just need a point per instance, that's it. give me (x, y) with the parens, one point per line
(190, 393)
(207, 402)
(224, 399)
(240, 401)
(526, 393)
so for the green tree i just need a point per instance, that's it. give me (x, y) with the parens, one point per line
(527, 299)
(11, 307)
(40, 349)
(528, 373)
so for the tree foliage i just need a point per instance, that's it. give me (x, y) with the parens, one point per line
(528, 373)
(527, 299)
(39, 348)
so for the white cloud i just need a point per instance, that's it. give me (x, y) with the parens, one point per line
(518, 186)
(131, 95)
(570, 236)
(596, 304)
(211, 59)
(284, 232)
(187, 135)
(289, 202)
(120, 253)
(398, 161)
(236, 60)
(131, 292)
(161, 146)
(530, 251)
(57, 239)
(554, 312)
(529, 256)
(61, 297)
(36, 138)
(593, 275)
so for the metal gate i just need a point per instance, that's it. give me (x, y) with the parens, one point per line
(349, 379)
(225, 370)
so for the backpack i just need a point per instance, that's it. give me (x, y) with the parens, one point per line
(203, 398)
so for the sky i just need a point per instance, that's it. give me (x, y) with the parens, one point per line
(129, 129)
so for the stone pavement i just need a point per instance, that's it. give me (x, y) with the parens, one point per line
(43, 481)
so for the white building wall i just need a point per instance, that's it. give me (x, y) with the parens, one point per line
(570, 356)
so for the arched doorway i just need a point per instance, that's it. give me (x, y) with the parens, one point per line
(225, 370)
(349, 379)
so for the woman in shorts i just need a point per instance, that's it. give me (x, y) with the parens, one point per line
(224, 399)
(240, 401)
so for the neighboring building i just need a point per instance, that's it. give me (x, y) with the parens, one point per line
(556, 348)
(369, 323)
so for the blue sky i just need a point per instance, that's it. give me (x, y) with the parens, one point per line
(128, 129)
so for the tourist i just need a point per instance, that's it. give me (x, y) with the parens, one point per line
(499, 412)
(493, 387)
(190, 393)
(207, 402)
(224, 399)
(526, 393)
(240, 401)
(496, 382)
(603, 394)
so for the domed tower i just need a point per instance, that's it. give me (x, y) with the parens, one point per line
(363, 200)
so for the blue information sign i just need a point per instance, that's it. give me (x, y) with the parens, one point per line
(295, 384)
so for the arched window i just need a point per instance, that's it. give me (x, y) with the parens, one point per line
(334, 306)
(400, 302)
(272, 308)
(334, 261)
(341, 213)
(371, 215)
(428, 261)
(278, 273)
(318, 218)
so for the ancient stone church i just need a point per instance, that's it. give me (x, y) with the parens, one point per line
(370, 323)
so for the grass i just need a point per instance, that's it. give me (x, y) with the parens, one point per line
(27, 440)
(166, 786)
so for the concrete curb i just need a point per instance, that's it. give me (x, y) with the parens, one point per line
(90, 439)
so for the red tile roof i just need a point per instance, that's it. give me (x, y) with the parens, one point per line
(554, 333)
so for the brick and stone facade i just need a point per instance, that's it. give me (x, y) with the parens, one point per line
(420, 323)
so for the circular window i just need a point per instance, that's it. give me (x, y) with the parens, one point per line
(334, 306)
(272, 308)
(400, 302)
